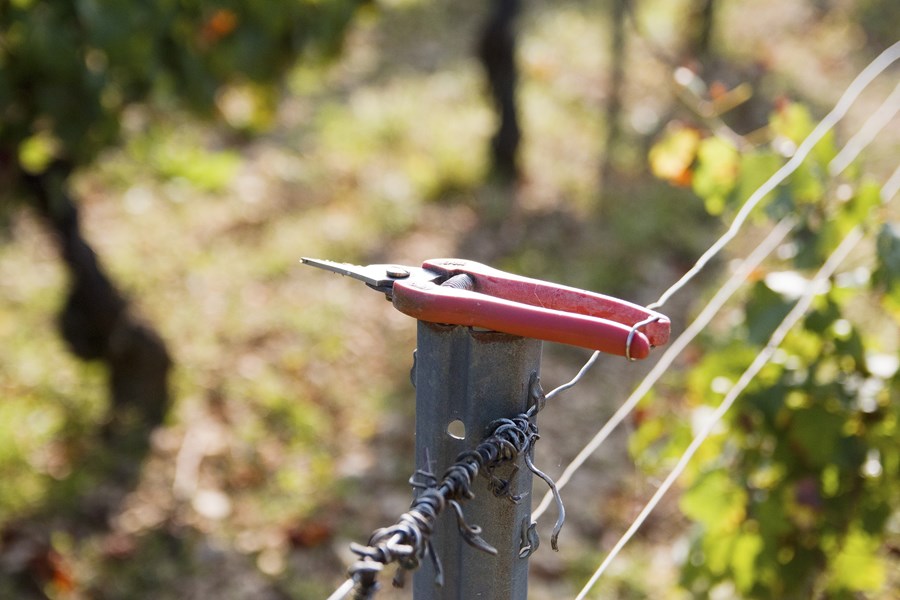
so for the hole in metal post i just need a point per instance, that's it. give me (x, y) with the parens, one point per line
(457, 429)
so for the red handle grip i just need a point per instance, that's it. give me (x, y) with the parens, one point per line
(532, 308)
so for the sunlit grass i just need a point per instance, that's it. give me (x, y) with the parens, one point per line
(47, 398)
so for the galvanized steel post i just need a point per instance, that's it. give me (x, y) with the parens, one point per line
(465, 379)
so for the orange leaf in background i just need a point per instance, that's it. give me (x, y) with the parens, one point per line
(48, 565)
(782, 103)
(220, 24)
(639, 416)
(717, 90)
(683, 179)
(63, 579)
(757, 274)
(309, 534)
(671, 157)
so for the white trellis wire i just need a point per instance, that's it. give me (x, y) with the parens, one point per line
(876, 122)
(813, 288)
(856, 144)
(816, 286)
(852, 93)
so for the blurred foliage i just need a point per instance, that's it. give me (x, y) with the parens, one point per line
(69, 70)
(794, 493)
(292, 427)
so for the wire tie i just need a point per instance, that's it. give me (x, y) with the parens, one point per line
(529, 538)
(634, 330)
(536, 395)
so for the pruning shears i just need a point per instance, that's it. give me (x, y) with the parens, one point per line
(463, 292)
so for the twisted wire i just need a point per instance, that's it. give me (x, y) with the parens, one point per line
(408, 542)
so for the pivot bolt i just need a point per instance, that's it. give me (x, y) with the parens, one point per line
(397, 272)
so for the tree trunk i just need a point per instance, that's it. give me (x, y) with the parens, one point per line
(617, 58)
(96, 322)
(496, 49)
(701, 21)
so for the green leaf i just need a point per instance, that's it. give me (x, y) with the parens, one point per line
(766, 308)
(37, 152)
(771, 515)
(857, 566)
(887, 274)
(825, 151)
(746, 549)
(815, 433)
(718, 163)
(792, 121)
(838, 223)
(866, 198)
(650, 431)
(716, 501)
(718, 550)
(852, 346)
(822, 319)
(728, 363)
(755, 169)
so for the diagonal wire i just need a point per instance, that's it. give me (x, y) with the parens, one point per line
(578, 376)
(813, 288)
(856, 87)
(862, 138)
(740, 274)
(853, 147)
(343, 591)
(891, 186)
(859, 141)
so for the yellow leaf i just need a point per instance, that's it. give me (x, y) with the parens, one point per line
(671, 157)
(37, 152)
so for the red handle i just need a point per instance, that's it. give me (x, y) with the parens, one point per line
(531, 308)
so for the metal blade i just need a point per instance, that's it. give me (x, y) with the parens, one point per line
(380, 277)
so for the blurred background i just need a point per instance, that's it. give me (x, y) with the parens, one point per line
(187, 412)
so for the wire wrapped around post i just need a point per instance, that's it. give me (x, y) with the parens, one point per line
(408, 541)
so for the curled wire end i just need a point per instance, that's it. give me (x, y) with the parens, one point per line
(633, 332)
(436, 563)
(536, 395)
(530, 540)
(471, 534)
(560, 507)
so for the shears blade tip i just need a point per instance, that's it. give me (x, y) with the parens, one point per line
(348, 269)
(379, 277)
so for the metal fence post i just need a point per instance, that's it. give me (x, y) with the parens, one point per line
(465, 379)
